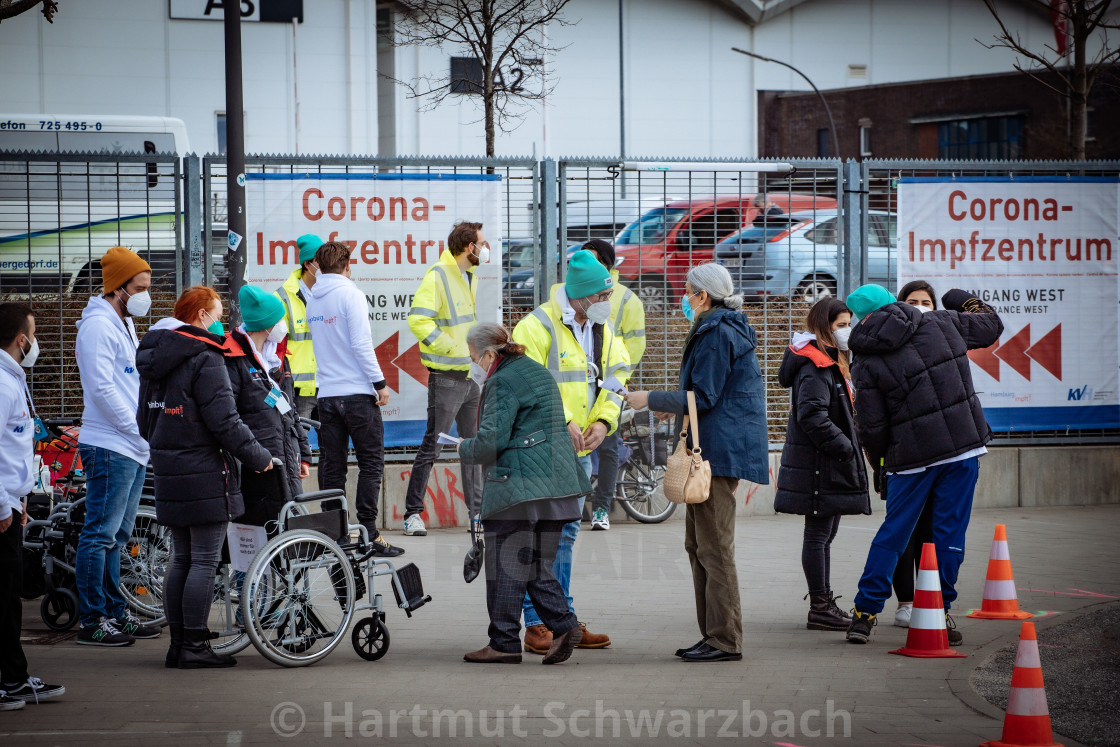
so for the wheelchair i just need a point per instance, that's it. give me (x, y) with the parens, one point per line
(306, 585)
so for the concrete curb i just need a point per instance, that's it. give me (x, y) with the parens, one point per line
(960, 675)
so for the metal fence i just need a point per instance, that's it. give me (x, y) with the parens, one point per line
(833, 229)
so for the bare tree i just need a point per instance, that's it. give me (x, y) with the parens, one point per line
(505, 40)
(12, 8)
(1080, 20)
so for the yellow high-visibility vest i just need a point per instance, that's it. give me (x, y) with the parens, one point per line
(302, 358)
(552, 344)
(442, 313)
(628, 322)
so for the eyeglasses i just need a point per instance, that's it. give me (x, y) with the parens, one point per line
(483, 245)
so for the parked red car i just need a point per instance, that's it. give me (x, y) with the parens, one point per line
(655, 252)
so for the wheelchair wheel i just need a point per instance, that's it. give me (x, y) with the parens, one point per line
(298, 597)
(59, 609)
(225, 612)
(144, 560)
(370, 638)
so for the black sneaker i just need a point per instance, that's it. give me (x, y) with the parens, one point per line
(955, 637)
(10, 704)
(105, 633)
(130, 624)
(860, 629)
(383, 549)
(33, 691)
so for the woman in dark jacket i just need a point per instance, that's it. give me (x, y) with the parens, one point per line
(188, 416)
(265, 404)
(720, 366)
(822, 476)
(532, 489)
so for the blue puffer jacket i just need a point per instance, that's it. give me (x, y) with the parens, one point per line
(721, 368)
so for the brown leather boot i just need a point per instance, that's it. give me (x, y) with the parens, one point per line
(490, 656)
(823, 614)
(593, 640)
(538, 639)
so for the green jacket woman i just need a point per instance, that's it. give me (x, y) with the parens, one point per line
(523, 442)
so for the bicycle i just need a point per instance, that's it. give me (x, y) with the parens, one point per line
(641, 474)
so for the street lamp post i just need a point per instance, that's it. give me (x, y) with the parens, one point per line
(831, 123)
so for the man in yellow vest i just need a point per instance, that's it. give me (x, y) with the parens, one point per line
(628, 322)
(571, 336)
(294, 294)
(442, 313)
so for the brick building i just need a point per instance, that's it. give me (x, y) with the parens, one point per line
(986, 116)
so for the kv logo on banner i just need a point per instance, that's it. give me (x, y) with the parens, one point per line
(396, 226)
(1043, 253)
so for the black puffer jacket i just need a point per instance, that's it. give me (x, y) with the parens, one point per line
(822, 472)
(188, 415)
(915, 403)
(279, 433)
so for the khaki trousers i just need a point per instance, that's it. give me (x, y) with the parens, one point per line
(709, 539)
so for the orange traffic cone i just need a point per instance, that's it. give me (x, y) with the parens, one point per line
(1000, 601)
(1027, 723)
(927, 637)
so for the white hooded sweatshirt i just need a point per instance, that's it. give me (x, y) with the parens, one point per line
(17, 440)
(106, 352)
(338, 316)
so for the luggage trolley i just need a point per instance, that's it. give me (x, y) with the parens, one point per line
(306, 585)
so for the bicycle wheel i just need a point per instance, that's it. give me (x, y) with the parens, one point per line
(642, 493)
(144, 560)
(298, 597)
(225, 612)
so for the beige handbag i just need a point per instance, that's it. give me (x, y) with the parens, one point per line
(688, 478)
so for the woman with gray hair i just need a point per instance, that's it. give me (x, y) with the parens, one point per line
(532, 488)
(720, 367)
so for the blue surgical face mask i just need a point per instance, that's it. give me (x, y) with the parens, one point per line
(689, 314)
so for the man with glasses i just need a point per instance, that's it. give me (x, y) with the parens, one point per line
(442, 313)
(571, 336)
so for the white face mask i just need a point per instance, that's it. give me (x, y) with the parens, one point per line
(478, 373)
(483, 253)
(923, 309)
(278, 332)
(599, 312)
(31, 355)
(139, 304)
(840, 336)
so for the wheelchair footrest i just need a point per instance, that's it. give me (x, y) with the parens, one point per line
(408, 577)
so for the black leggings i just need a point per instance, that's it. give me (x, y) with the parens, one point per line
(189, 586)
(910, 558)
(815, 552)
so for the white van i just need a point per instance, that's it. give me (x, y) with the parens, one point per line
(59, 216)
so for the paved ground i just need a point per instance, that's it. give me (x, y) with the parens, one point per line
(633, 583)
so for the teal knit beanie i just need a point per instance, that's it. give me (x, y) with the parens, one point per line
(259, 310)
(308, 244)
(867, 298)
(586, 276)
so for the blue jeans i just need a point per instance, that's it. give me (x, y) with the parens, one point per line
(562, 567)
(949, 489)
(113, 485)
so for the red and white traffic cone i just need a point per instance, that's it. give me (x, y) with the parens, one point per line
(928, 638)
(1027, 723)
(1000, 600)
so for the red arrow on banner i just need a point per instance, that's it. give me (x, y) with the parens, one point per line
(1013, 352)
(1048, 352)
(387, 351)
(409, 361)
(986, 360)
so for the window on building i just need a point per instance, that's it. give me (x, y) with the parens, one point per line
(221, 118)
(865, 138)
(1089, 129)
(822, 144)
(466, 75)
(983, 137)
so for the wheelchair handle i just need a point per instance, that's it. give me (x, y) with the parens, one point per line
(309, 423)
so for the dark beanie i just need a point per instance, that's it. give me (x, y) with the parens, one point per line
(604, 249)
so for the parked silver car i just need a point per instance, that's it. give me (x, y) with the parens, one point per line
(797, 255)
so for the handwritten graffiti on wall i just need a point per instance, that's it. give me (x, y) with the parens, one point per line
(443, 491)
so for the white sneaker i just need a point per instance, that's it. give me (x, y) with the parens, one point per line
(414, 526)
(599, 519)
(902, 616)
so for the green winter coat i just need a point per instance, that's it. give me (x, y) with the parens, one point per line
(523, 441)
